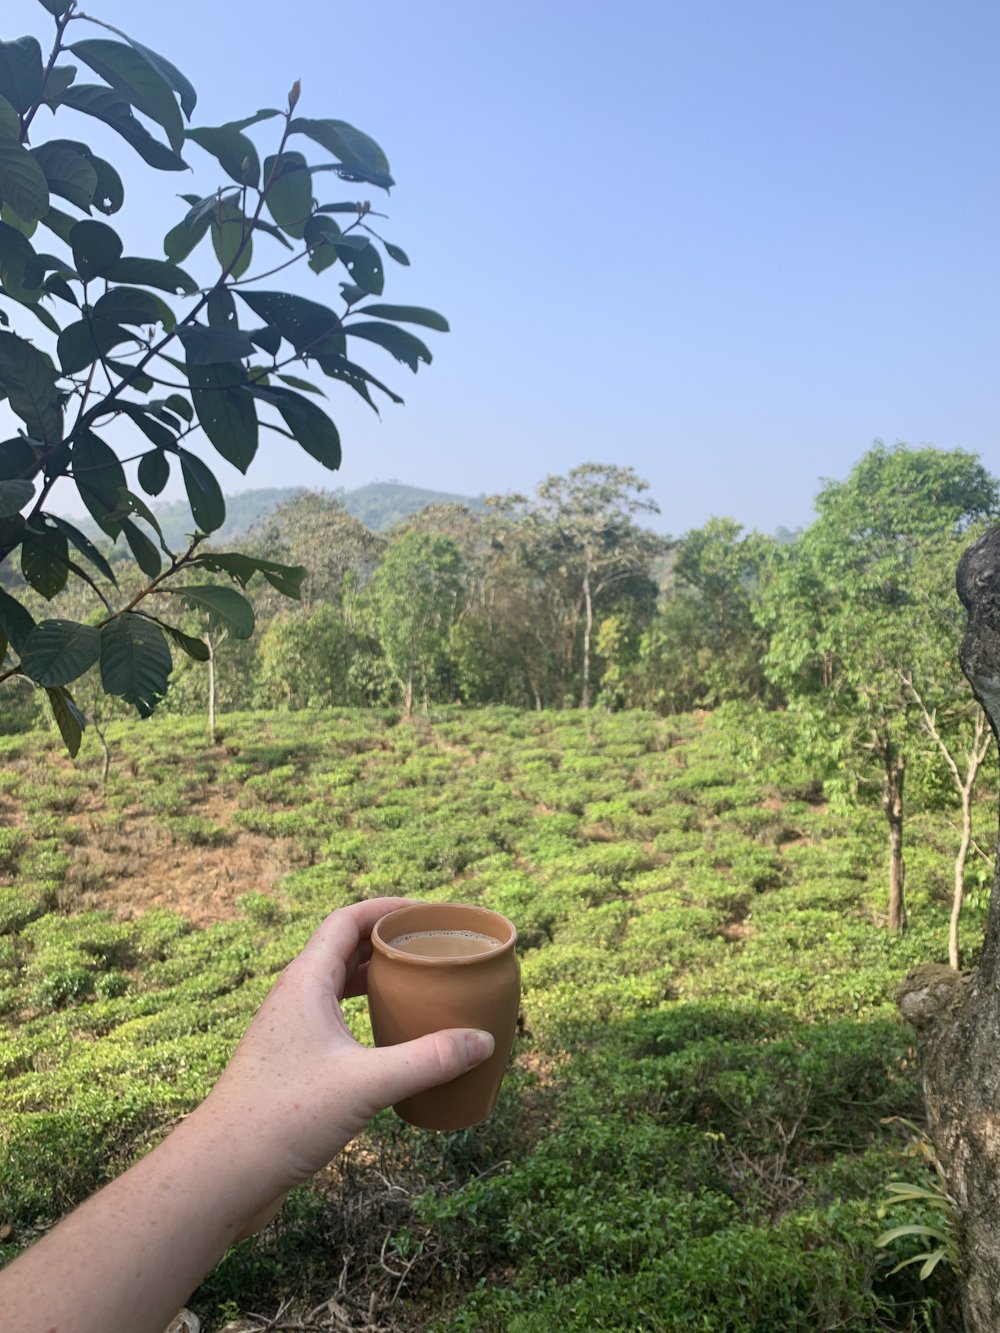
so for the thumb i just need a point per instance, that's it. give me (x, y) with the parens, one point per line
(413, 1066)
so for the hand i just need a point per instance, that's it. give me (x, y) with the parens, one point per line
(298, 1087)
(299, 1083)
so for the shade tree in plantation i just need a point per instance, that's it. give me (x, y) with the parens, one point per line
(704, 646)
(578, 537)
(338, 552)
(120, 370)
(414, 599)
(852, 632)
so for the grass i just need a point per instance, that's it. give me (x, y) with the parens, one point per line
(692, 1135)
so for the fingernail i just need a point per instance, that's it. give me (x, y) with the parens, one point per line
(479, 1046)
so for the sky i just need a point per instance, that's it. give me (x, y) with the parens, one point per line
(729, 245)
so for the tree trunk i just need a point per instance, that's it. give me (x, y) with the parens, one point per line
(957, 1018)
(588, 626)
(894, 771)
(408, 693)
(958, 893)
(213, 734)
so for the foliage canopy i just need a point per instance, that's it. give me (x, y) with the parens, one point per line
(109, 359)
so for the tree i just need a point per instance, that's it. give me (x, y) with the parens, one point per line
(414, 593)
(145, 361)
(957, 1018)
(316, 531)
(579, 539)
(849, 623)
(704, 645)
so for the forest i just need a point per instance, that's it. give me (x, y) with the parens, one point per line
(729, 787)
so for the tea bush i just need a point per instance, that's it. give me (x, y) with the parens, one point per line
(690, 1137)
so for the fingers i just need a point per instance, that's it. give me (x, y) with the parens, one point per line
(413, 1066)
(341, 934)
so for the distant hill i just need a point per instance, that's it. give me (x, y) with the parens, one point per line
(379, 505)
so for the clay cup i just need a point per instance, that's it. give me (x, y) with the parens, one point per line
(446, 965)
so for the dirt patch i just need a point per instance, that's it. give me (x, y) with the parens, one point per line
(130, 863)
(201, 883)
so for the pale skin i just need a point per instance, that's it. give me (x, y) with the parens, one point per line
(298, 1088)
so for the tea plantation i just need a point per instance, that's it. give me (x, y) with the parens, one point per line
(710, 1080)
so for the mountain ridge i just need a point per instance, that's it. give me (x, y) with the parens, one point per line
(378, 504)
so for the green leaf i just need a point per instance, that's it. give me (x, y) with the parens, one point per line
(30, 380)
(69, 172)
(147, 557)
(312, 329)
(20, 268)
(56, 286)
(210, 347)
(14, 495)
(85, 546)
(182, 239)
(287, 579)
(395, 252)
(170, 73)
(357, 378)
(204, 495)
(268, 340)
(58, 651)
(69, 719)
(150, 425)
(154, 273)
(154, 471)
(131, 305)
(135, 661)
(45, 561)
(407, 314)
(109, 106)
(56, 7)
(363, 262)
(404, 346)
(10, 122)
(288, 192)
(271, 230)
(137, 380)
(99, 478)
(15, 621)
(130, 503)
(96, 247)
(196, 648)
(360, 155)
(43, 316)
(309, 424)
(295, 382)
(21, 72)
(910, 1229)
(59, 222)
(180, 406)
(231, 149)
(88, 340)
(222, 309)
(224, 605)
(110, 193)
(232, 238)
(57, 81)
(226, 411)
(18, 459)
(137, 79)
(22, 182)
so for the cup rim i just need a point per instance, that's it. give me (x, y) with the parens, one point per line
(385, 946)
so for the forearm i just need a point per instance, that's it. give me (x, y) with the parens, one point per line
(129, 1258)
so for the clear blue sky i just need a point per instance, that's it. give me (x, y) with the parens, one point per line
(728, 244)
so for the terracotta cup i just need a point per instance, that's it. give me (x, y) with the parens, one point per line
(446, 965)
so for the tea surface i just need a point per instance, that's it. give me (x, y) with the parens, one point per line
(444, 943)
